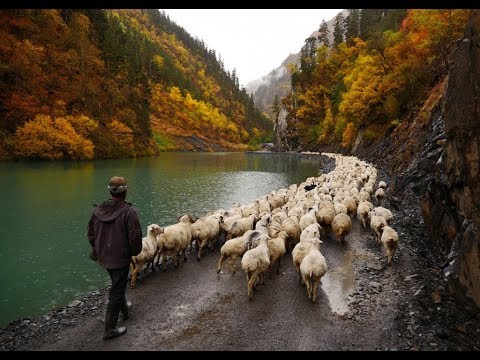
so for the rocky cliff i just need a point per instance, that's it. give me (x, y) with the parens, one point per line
(433, 157)
(451, 206)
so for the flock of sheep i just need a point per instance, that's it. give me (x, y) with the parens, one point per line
(293, 219)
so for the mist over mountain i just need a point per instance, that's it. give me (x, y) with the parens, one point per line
(277, 81)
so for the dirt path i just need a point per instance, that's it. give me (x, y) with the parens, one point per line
(194, 308)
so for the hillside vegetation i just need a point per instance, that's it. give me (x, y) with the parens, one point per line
(84, 84)
(373, 77)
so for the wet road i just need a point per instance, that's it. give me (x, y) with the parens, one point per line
(194, 308)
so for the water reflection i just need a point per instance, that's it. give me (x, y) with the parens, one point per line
(339, 282)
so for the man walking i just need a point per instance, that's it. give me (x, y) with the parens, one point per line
(115, 234)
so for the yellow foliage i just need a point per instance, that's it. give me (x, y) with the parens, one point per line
(47, 139)
(158, 60)
(192, 115)
(83, 125)
(364, 89)
(120, 138)
(348, 135)
(328, 123)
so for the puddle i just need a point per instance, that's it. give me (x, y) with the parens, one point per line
(339, 282)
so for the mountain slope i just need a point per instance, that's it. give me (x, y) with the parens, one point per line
(277, 82)
(82, 84)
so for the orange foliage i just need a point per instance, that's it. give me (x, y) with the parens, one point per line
(348, 135)
(47, 139)
(120, 139)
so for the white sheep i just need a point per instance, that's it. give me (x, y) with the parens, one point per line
(382, 184)
(308, 219)
(292, 228)
(206, 231)
(340, 208)
(175, 239)
(147, 255)
(381, 211)
(379, 195)
(229, 218)
(255, 263)
(341, 226)
(241, 226)
(364, 207)
(325, 216)
(377, 224)
(299, 252)
(233, 249)
(310, 232)
(312, 268)
(351, 205)
(390, 242)
(277, 248)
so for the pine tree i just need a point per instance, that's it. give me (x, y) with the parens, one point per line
(352, 25)
(338, 30)
(323, 34)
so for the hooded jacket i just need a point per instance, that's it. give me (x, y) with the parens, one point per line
(114, 231)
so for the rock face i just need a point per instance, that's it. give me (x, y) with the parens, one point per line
(451, 206)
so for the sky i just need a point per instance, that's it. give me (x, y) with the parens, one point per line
(253, 41)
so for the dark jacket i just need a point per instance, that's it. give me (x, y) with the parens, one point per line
(115, 232)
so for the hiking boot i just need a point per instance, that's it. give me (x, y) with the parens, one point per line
(111, 318)
(110, 334)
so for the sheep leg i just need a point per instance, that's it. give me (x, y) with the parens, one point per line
(262, 275)
(164, 261)
(297, 267)
(270, 267)
(307, 283)
(199, 255)
(175, 260)
(278, 264)
(153, 260)
(250, 287)
(315, 289)
(134, 274)
(231, 263)
(220, 262)
(212, 244)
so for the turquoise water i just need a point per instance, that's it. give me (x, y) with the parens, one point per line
(44, 260)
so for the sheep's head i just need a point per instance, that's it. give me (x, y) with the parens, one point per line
(154, 229)
(186, 218)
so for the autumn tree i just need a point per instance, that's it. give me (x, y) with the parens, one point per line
(348, 136)
(51, 139)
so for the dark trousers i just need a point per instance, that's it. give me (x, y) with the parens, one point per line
(119, 283)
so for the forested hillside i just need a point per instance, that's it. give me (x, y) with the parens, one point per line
(379, 70)
(83, 84)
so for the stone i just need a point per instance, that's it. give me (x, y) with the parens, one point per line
(74, 303)
(375, 285)
(410, 277)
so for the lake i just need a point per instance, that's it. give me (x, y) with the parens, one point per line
(44, 250)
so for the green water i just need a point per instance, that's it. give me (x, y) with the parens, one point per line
(46, 207)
